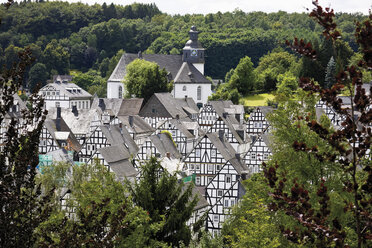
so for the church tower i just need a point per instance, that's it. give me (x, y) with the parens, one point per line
(193, 52)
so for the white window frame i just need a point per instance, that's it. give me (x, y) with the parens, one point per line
(228, 178)
(219, 193)
(253, 156)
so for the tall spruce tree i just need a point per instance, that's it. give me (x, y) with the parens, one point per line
(165, 199)
(330, 74)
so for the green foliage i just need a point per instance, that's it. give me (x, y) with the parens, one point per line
(330, 74)
(243, 78)
(38, 74)
(92, 82)
(251, 223)
(273, 64)
(166, 200)
(56, 57)
(287, 85)
(144, 78)
(103, 215)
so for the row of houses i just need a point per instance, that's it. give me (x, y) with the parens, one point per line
(213, 145)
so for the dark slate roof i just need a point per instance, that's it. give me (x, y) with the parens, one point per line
(267, 139)
(222, 145)
(220, 105)
(21, 106)
(188, 104)
(164, 144)
(80, 123)
(345, 100)
(189, 74)
(171, 63)
(129, 142)
(117, 156)
(238, 165)
(202, 202)
(235, 127)
(139, 125)
(130, 106)
(183, 129)
(111, 105)
(266, 109)
(114, 153)
(59, 125)
(116, 135)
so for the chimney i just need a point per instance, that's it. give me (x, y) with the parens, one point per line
(140, 55)
(237, 117)
(101, 104)
(168, 155)
(245, 175)
(177, 117)
(130, 120)
(237, 156)
(221, 134)
(58, 112)
(224, 115)
(74, 110)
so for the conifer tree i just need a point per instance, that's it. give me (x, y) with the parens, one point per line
(330, 74)
(165, 199)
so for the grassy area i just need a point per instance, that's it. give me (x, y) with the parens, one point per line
(257, 100)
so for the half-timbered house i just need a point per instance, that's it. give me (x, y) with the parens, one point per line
(259, 152)
(56, 134)
(62, 93)
(104, 136)
(162, 106)
(183, 137)
(207, 158)
(160, 146)
(138, 128)
(257, 122)
(223, 192)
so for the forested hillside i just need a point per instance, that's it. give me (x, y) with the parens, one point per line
(65, 37)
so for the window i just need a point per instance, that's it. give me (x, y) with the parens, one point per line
(228, 178)
(210, 179)
(253, 156)
(210, 167)
(57, 93)
(192, 166)
(219, 193)
(184, 88)
(226, 203)
(213, 153)
(198, 92)
(88, 147)
(215, 218)
(197, 166)
(255, 125)
(197, 180)
(197, 152)
(265, 156)
(58, 104)
(79, 104)
(260, 124)
(120, 92)
(218, 167)
(232, 202)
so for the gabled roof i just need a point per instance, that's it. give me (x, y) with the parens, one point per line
(138, 125)
(164, 144)
(183, 129)
(130, 106)
(238, 165)
(222, 145)
(21, 106)
(80, 123)
(117, 136)
(189, 74)
(62, 78)
(171, 63)
(58, 126)
(110, 105)
(70, 90)
(266, 109)
(117, 156)
(220, 105)
(202, 202)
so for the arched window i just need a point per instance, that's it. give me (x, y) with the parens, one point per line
(198, 93)
(184, 88)
(120, 92)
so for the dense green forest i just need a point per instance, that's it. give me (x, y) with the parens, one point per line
(67, 37)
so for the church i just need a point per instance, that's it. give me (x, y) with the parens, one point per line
(186, 71)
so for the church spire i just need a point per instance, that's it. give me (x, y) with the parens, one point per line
(193, 52)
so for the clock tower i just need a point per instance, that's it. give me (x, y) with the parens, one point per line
(193, 52)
